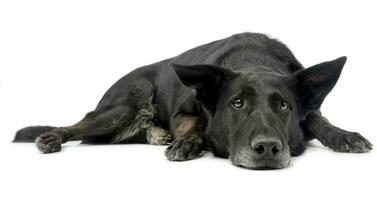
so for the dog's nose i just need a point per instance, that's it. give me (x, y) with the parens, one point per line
(266, 147)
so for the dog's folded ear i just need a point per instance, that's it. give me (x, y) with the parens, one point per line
(314, 83)
(206, 79)
(200, 76)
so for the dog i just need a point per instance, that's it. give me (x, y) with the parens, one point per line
(245, 97)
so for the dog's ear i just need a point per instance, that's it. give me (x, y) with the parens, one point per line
(206, 79)
(314, 83)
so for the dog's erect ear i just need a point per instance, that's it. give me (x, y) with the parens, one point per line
(206, 79)
(314, 83)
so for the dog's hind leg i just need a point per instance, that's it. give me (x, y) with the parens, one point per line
(97, 124)
(317, 126)
(117, 122)
(144, 127)
(157, 136)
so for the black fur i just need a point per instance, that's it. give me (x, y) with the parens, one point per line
(245, 97)
(29, 134)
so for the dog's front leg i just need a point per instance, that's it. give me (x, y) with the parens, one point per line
(187, 144)
(317, 126)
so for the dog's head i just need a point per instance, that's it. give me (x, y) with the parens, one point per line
(254, 115)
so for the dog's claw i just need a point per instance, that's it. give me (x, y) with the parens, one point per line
(48, 143)
(185, 148)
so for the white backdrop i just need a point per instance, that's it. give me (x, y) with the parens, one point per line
(57, 58)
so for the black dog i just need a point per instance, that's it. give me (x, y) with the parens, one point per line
(245, 97)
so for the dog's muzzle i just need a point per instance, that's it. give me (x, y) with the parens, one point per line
(263, 153)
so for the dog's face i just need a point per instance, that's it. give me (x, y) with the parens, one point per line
(254, 116)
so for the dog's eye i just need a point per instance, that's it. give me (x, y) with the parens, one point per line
(237, 103)
(284, 106)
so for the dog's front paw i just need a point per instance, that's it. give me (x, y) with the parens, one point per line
(186, 147)
(48, 142)
(344, 141)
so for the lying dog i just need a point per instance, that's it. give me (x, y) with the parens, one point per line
(245, 97)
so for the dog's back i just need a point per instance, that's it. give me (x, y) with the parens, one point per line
(242, 50)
